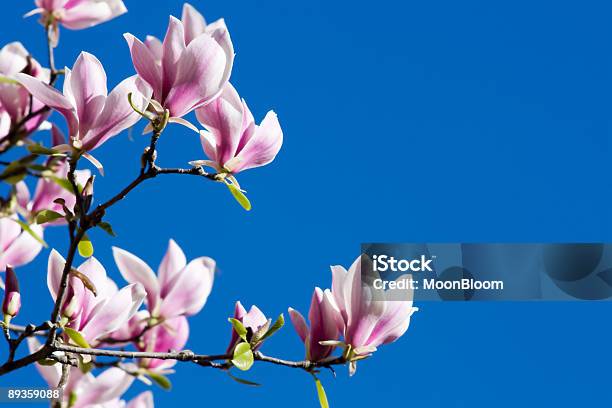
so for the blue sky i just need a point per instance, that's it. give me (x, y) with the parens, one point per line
(404, 122)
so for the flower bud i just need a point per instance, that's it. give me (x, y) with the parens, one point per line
(12, 298)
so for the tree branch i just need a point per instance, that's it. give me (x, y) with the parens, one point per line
(201, 359)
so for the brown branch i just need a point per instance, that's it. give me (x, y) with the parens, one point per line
(75, 238)
(304, 365)
(152, 172)
(201, 359)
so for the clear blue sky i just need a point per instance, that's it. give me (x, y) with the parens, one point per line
(404, 121)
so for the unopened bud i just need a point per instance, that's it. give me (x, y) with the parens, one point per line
(12, 297)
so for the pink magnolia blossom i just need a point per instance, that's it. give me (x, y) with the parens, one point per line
(253, 321)
(17, 247)
(234, 142)
(179, 289)
(325, 324)
(368, 321)
(47, 191)
(78, 14)
(87, 390)
(12, 296)
(93, 115)
(14, 98)
(190, 67)
(93, 315)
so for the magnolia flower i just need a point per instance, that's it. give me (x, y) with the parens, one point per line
(369, 321)
(77, 14)
(14, 98)
(190, 67)
(93, 115)
(93, 305)
(17, 247)
(254, 321)
(87, 390)
(325, 325)
(12, 297)
(179, 289)
(234, 142)
(47, 191)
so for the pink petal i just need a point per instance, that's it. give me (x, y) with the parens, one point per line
(200, 76)
(88, 86)
(93, 269)
(55, 267)
(13, 58)
(263, 146)
(22, 194)
(190, 289)
(5, 123)
(23, 249)
(299, 323)
(331, 312)
(193, 22)
(157, 50)
(135, 270)
(87, 14)
(9, 231)
(239, 313)
(173, 47)
(224, 119)
(57, 137)
(15, 100)
(362, 325)
(254, 319)
(52, 98)
(209, 144)
(114, 312)
(173, 263)
(393, 323)
(145, 63)
(353, 292)
(218, 30)
(323, 325)
(118, 115)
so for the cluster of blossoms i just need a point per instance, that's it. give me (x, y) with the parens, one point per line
(189, 71)
(351, 310)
